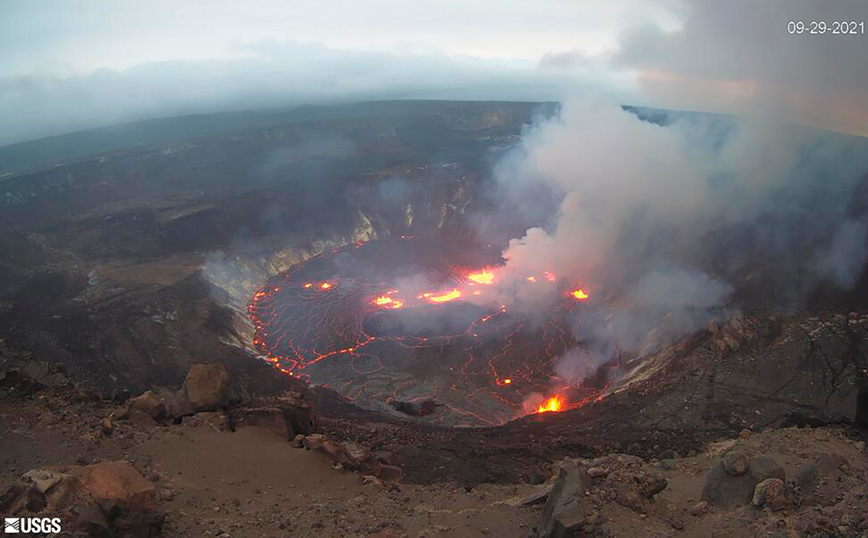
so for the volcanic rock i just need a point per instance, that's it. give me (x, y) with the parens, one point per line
(537, 497)
(390, 473)
(106, 426)
(288, 415)
(725, 490)
(216, 420)
(820, 481)
(115, 483)
(106, 499)
(770, 492)
(628, 496)
(22, 375)
(206, 386)
(415, 408)
(735, 463)
(564, 511)
(699, 508)
(651, 484)
(357, 455)
(149, 404)
(596, 472)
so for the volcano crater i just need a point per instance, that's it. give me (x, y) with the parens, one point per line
(359, 320)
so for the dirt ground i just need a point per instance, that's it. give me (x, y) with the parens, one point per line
(252, 483)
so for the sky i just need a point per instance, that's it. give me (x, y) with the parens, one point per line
(72, 64)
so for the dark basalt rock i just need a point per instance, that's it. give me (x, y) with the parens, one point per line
(564, 511)
(725, 490)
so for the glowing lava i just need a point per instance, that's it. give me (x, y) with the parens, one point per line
(388, 301)
(579, 294)
(553, 404)
(452, 340)
(484, 276)
(446, 297)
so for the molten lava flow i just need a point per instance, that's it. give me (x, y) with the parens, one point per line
(549, 276)
(388, 301)
(485, 276)
(308, 285)
(325, 286)
(579, 294)
(531, 279)
(454, 294)
(553, 404)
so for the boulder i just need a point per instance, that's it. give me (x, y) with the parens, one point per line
(820, 481)
(735, 463)
(149, 404)
(115, 483)
(724, 490)
(771, 492)
(564, 511)
(205, 386)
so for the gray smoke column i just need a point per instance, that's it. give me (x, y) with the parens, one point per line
(639, 200)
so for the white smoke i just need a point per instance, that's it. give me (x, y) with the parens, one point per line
(639, 199)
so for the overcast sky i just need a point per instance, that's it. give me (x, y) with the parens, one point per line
(72, 64)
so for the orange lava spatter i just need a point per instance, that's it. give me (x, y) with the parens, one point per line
(448, 296)
(485, 276)
(579, 294)
(553, 404)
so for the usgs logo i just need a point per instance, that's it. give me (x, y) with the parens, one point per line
(46, 525)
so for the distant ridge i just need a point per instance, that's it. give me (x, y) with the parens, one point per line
(46, 151)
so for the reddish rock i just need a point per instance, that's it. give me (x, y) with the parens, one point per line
(106, 426)
(206, 386)
(115, 483)
(771, 493)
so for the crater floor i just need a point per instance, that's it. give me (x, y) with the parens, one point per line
(360, 321)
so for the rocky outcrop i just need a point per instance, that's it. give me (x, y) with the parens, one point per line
(288, 415)
(353, 456)
(104, 499)
(730, 484)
